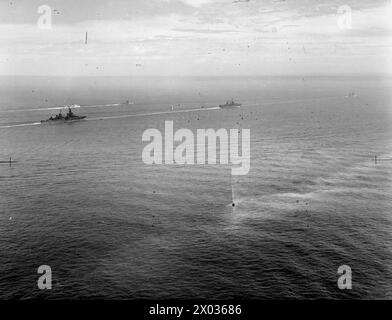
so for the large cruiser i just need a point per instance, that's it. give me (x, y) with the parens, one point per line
(69, 117)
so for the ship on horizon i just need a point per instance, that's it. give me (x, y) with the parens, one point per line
(128, 102)
(230, 104)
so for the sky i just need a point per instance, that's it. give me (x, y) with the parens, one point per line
(195, 37)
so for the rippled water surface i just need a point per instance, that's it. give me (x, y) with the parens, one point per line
(81, 200)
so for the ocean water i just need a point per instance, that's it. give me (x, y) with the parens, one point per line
(80, 199)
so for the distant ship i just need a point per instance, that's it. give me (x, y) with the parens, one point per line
(230, 104)
(172, 107)
(127, 102)
(69, 117)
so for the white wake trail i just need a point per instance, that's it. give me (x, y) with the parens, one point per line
(152, 113)
(21, 125)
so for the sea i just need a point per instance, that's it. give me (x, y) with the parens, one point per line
(79, 198)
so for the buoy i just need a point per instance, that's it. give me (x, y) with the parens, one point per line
(8, 161)
(233, 204)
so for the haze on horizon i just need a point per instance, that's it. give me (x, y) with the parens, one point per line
(195, 38)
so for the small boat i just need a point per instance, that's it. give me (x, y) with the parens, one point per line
(230, 104)
(59, 118)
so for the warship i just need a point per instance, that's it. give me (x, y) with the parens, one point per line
(230, 104)
(59, 118)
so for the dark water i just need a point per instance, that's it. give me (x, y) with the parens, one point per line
(81, 200)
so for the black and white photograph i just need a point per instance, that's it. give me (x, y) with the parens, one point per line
(183, 150)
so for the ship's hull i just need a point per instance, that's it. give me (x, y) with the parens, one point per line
(63, 120)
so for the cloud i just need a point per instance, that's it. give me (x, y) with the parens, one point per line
(213, 36)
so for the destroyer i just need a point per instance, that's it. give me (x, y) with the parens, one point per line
(230, 104)
(69, 117)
